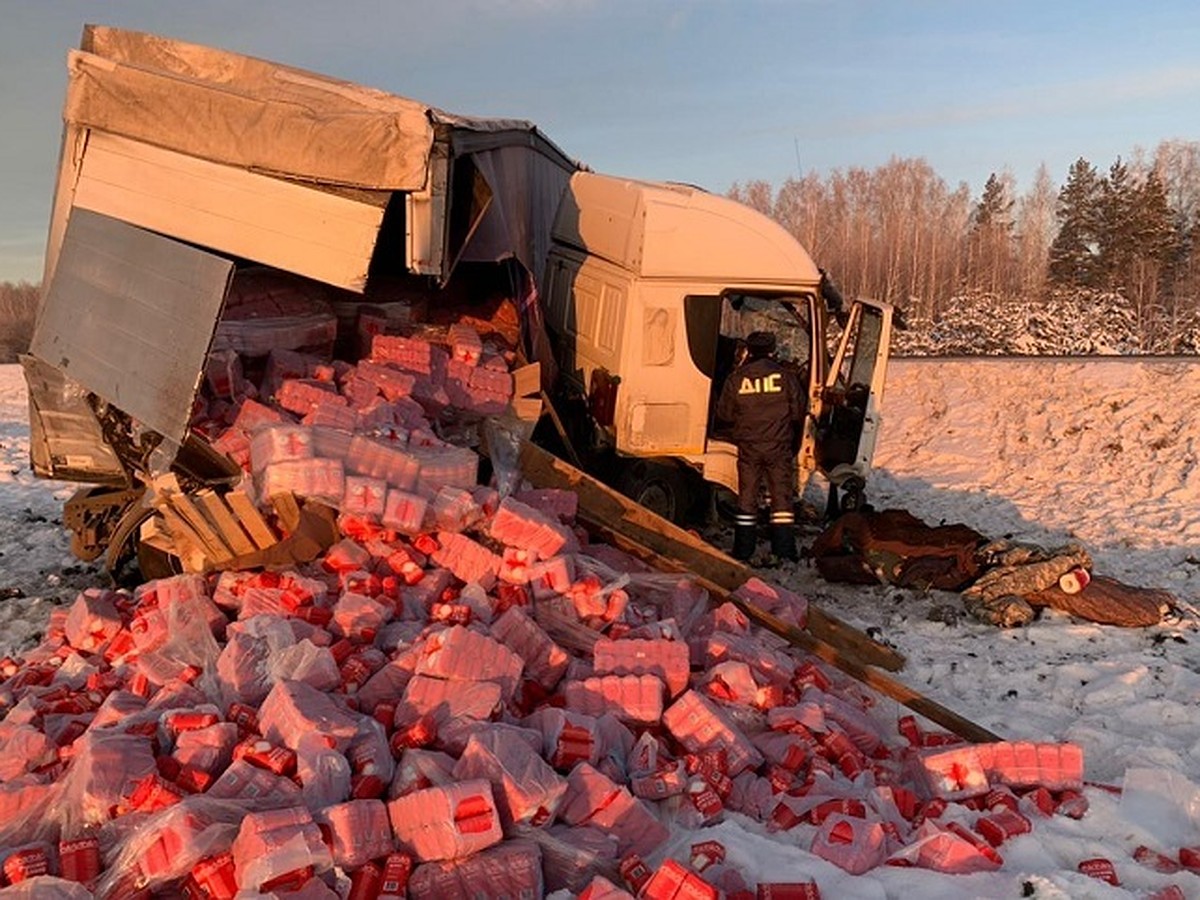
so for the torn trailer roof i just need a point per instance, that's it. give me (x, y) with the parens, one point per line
(293, 169)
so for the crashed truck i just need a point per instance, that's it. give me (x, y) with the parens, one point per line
(187, 173)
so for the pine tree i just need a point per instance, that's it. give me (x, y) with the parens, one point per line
(1154, 221)
(1075, 251)
(1118, 237)
(989, 244)
(994, 209)
(1155, 251)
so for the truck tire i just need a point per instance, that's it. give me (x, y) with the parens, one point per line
(661, 488)
(853, 495)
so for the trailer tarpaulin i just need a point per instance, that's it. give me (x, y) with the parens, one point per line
(526, 190)
(246, 112)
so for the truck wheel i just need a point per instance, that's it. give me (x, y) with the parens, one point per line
(725, 505)
(853, 495)
(659, 487)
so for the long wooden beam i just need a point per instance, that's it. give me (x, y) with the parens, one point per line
(620, 522)
(602, 506)
(868, 675)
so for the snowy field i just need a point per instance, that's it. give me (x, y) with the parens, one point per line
(1102, 452)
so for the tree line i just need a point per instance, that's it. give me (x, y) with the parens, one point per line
(18, 312)
(1125, 241)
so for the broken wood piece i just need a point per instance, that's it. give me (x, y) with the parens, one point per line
(527, 387)
(287, 509)
(231, 531)
(154, 533)
(195, 563)
(186, 544)
(185, 518)
(214, 547)
(252, 520)
(527, 380)
(527, 409)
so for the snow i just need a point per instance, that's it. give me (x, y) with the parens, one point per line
(1101, 451)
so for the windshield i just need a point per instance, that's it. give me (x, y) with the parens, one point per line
(784, 317)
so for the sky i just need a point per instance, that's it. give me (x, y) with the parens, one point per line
(709, 92)
(1118, 476)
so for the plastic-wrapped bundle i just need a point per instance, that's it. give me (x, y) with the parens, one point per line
(280, 443)
(446, 822)
(272, 844)
(668, 660)
(699, 724)
(511, 869)
(459, 654)
(359, 831)
(637, 699)
(382, 459)
(526, 789)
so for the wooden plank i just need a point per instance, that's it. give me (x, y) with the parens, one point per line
(183, 519)
(288, 510)
(252, 520)
(154, 533)
(225, 522)
(871, 677)
(281, 223)
(600, 504)
(214, 548)
(188, 546)
(527, 380)
(527, 409)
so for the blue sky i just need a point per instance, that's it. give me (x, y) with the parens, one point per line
(710, 92)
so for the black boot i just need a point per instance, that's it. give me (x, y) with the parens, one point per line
(745, 538)
(783, 542)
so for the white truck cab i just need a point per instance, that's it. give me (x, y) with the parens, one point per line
(648, 290)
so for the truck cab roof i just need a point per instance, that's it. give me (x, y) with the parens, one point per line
(661, 230)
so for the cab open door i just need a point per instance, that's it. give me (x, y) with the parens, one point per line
(844, 416)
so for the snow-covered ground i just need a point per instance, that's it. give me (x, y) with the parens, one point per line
(1101, 451)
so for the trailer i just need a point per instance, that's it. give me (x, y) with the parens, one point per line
(191, 178)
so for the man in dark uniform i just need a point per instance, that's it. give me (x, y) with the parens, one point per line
(764, 403)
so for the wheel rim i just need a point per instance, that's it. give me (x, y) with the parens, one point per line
(658, 498)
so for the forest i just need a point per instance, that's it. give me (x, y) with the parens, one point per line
(1108, 263)
(18, 312)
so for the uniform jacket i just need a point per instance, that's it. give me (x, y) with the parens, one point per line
(763, 402)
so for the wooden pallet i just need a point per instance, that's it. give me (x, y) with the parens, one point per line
(210, 531)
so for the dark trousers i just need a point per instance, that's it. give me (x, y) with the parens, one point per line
(772, 466)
